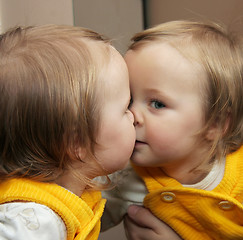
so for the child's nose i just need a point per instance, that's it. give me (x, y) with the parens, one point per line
(131, 116)
(138, 118)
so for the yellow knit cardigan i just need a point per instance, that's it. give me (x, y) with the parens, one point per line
(197, 214)
(80, 215)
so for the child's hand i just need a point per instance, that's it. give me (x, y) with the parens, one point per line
(141, 224)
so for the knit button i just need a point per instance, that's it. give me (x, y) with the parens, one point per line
(168, 197)
(225, 205)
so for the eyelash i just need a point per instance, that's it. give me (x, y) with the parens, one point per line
(150, 103)
(154, 101)
(130, 103)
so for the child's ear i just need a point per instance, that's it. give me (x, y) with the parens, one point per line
(81, 152)
(216, 130)
(212, 133)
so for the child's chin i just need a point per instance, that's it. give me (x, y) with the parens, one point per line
(120, 167)
(138, 162)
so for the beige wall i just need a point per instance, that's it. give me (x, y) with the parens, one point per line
(35, 12)
(229, 12)
(117, 19)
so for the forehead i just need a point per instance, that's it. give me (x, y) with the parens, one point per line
(160, 59)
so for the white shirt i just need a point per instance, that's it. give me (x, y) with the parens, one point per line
(30, 221)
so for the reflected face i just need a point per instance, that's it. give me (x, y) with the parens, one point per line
(166, 105)
(116, 137)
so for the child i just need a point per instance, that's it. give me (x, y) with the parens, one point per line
(186, 81)
(63, 121)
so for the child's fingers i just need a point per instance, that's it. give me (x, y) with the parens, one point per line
(141, 224)
(143, 217)
(137, 232)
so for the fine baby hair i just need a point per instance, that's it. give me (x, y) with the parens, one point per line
(219, 52)
(49, 100)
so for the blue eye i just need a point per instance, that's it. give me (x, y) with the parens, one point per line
(157, 104)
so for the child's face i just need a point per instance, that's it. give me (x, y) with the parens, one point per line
(166, 105)
(117, 133)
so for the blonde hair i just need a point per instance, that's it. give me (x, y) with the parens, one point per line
(49, 100)
(220, 54)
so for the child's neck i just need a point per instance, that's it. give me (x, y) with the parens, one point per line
(184, 169)
(185, 173)
(71, 183)
(185, 177)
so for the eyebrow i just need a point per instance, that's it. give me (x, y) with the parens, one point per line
(153, 91)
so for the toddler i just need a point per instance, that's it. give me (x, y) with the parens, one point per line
(186, 81)
(64, 120)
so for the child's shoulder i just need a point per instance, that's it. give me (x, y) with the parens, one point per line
(21, 219)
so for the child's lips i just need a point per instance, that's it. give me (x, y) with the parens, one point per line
(139, 143)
